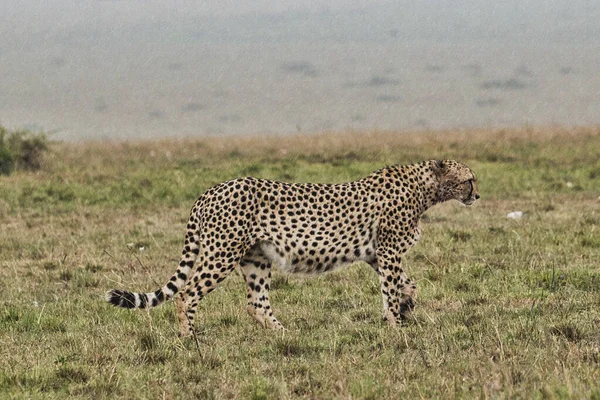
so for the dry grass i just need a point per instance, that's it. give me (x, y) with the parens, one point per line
(360, 145)
(506, 308)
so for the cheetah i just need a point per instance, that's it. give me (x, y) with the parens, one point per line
(257, 224)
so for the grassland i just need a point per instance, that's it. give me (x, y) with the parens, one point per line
(506, 308)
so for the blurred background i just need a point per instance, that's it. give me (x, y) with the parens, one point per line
(136, 69)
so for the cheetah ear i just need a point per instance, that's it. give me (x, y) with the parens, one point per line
(439, 168)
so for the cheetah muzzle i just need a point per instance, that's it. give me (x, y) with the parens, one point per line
(257, 224)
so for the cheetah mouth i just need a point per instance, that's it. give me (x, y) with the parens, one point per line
(470, 199)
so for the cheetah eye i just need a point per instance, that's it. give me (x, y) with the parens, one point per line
(468, 184)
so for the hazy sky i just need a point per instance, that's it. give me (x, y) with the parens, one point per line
(126, 67)
(461, 19)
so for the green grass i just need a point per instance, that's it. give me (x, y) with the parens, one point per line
(505, 308)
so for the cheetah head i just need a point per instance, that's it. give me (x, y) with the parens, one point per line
(456, 181)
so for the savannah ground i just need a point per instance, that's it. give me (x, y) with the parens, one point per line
(506, 308)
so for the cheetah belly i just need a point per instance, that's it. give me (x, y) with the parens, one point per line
(318, 259)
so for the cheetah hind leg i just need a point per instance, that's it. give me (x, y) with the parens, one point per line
(186, 326)
(256, 269)
(201, 284)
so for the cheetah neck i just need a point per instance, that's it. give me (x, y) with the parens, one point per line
(429, 187)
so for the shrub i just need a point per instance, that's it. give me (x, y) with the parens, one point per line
(7, 162)
(21, 149)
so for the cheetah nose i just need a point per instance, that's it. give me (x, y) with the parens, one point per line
(477, 196)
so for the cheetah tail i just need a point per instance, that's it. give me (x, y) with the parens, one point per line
(125, 299)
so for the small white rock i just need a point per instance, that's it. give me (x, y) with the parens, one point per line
(570, 185)
(515, 215)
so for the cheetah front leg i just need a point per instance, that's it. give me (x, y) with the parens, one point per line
(397, 290)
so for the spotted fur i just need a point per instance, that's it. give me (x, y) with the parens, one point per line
(257, 224)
